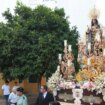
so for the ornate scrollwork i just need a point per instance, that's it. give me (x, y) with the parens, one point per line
(92, 99)
(65, 96)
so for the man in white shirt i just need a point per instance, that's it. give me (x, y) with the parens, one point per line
(6, 91)
(13, 98)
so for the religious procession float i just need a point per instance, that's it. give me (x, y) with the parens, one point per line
(87, 87)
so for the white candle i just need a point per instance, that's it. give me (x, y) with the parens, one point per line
(65, 43)
(104, 52)
(69, 48)
(89, 46)
(58, 68)
(88, 62)
(69, 62)
(60, 56)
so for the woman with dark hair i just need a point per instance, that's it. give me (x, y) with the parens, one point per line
(54, 103)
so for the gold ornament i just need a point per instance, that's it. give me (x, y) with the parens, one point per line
(94, 13)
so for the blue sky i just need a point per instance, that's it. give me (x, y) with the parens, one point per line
(77, 10)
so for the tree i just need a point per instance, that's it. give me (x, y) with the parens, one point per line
(31, 39)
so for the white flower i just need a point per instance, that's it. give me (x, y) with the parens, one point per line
(100, 82)
(53, 80)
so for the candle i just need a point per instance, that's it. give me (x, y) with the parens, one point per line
(104, 52)
(88, 62)
(58, 68)
(65, 43)
(69, 62)
(89, 46)
(60, 57)
(69, 48)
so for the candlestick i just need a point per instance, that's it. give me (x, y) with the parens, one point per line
(65, 43)
(60, 57)
(88, 62)
(69, 48)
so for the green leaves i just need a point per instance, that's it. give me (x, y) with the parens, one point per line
(31, 40)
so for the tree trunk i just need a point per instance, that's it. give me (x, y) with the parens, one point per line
(39, 82)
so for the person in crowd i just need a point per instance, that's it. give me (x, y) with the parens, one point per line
(44, 97)
(16, 85)
(54, 103)
(22, 98)
(6, 91)
(13, 98)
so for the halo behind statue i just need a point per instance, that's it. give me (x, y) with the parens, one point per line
(94, 13)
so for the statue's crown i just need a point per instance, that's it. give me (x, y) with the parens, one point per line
(94, 13)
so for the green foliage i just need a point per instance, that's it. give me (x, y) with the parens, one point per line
(31, 40)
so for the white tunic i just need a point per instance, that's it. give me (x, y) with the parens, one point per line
(6, 89)
(13, 98)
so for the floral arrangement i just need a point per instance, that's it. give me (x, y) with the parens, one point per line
(84, 75)
(97, 84)
(65, 84)
(89, 85)
(100, 81)
(57, 82)
(54, 80)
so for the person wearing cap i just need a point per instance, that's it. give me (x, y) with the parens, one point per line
(13, 98)
(22, 98)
